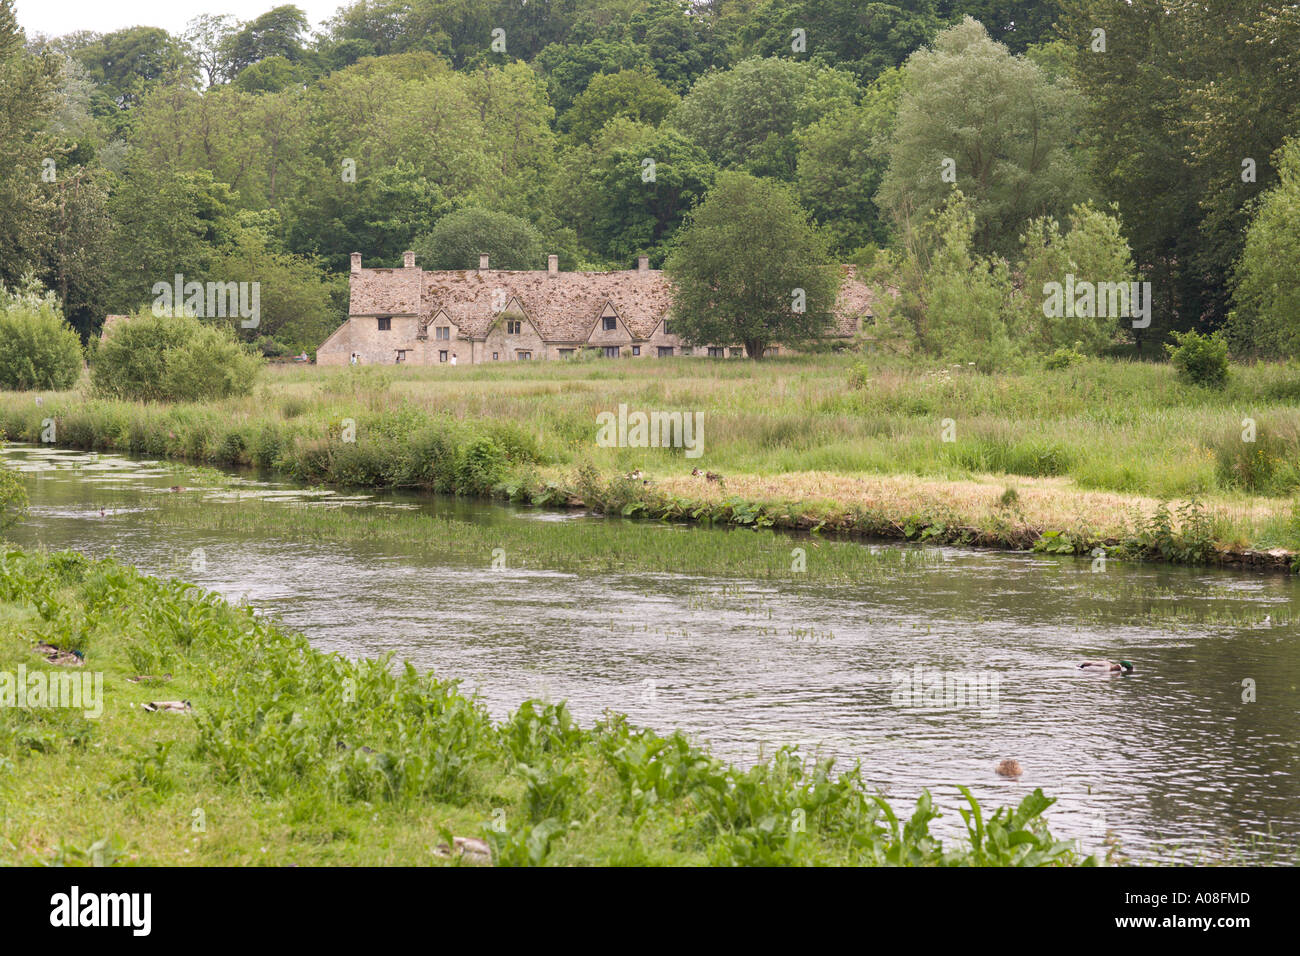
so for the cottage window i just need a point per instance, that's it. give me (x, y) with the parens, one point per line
(715, 352)
(524, 356)
(609, 323)
(401, 355)
(737, 353)
(564, 353)
(443, 332)
(636, 350)
(494, 356)
(513, 327)
(442, 355)
(385, 323)
(668, 327)
(665, 351)
(611, 351)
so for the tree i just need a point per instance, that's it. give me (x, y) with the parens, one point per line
(569, 68)
(865, 38)
(28, 85)
(164, 223)
(842, 159)
(278, 32)
(636, 94)
(1183, 96)
(1018, 24)
(299, 303)
(126, 64)
(459, 237)
(976, 118)
(750, 267)
(744, 117)
(938, 296)
(1093, 250)
(1266, 320)
(643, 192)
(209, 36)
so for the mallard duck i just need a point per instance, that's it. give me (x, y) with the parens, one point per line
(168, 706)
(1110, 667)
(1009, 768)
(471, 850)
(60, 657)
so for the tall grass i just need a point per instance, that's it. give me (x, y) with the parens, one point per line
(526, 430)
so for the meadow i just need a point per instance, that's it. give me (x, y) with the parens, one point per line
(292, 756)
(1107, 453)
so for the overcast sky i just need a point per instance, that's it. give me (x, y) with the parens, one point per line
(55, 17)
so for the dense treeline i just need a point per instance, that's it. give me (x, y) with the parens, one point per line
(244, 151)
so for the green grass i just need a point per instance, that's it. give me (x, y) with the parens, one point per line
(292, 756)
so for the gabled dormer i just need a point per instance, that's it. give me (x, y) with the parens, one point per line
(609, 327)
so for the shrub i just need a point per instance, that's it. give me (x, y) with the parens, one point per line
(152, 358)
(37, 348)
(480, 466)
(1200, 359)
(13, 498)
(1062, 359)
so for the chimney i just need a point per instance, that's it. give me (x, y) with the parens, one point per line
(482, 262)
(408, 259)
(356, 262)
(642, 263)
(553, 264)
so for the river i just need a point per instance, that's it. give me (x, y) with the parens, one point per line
(1192, 756)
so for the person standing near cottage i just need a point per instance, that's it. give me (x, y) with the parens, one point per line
(353, 358)
(453, 358)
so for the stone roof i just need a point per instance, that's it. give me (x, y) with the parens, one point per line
(562, 306)
(384, 292)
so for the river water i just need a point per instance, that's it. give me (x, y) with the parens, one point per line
(1193, 756)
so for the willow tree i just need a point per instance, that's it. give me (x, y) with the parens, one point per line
(750, 267)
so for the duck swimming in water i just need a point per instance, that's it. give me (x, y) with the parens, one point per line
(1110, 667)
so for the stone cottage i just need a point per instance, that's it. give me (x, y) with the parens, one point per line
(410, 316)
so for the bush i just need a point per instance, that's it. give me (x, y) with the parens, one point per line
(1200, 359)
(37, 348)
(13, 498)
(1063, 359)
(152, 358)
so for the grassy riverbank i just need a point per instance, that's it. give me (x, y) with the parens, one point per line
(294, 756)
(1112, 454)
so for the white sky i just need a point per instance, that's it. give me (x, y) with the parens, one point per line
(56, 17)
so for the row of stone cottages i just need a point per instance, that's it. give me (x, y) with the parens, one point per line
(418, 317)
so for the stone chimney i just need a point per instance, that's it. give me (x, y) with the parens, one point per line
(642, 263)
(553, 264)
(408, 259)
(356, 262)
(482, 262)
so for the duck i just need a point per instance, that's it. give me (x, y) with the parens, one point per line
(1110, 667)
(471, 850)
(633, 475)
(169, 706)
(59, 656)
(1009, 768)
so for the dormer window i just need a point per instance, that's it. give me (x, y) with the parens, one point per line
(668, 327)
(609, 323)
(514, 327)
(442, 332)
